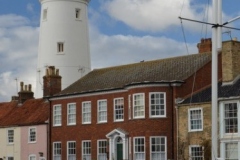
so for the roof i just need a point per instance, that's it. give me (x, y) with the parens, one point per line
(31, 112)
(162, 70)
(224, 91)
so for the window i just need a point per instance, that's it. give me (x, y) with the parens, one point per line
(139, 148)
(231, 117)
(195, 119)
(57, 151)
(71, 114)
(32, 135)
(157, 105)
(102, 149)
(196, 153)
(10, 158)
(71, 151)
(57, 115)
(138, 106)
(158, 148)
(10, 134)
(45, 14)
(60, 46)
(118, 109)
(86, 112)
(77, 13)
(102, 111)
(231, 151)
(32, 157)
(86, 150)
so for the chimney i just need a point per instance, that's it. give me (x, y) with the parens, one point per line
(25, 93)
(205, 45)
(51, 82)
(230, 60)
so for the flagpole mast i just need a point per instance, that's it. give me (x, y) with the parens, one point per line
(216, 46)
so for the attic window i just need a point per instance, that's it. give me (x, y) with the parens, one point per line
(77, 13)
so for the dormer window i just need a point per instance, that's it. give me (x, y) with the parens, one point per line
(77, 13)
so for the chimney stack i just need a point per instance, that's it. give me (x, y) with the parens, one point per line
(230, 60)
(25, 93)
(51, 82)
(205, 45)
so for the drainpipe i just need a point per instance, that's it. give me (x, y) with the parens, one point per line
(49, 131)
(172, 120)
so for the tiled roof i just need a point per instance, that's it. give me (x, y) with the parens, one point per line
(31, 112)
(224, 91)
(163, 70)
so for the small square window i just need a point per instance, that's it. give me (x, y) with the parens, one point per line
(60, 46)
(77, 13)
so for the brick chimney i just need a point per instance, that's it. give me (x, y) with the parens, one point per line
(25, 92)
(51, 82)
(230, 60)
(205, 45)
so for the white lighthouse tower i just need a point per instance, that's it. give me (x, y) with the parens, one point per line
(63, 40)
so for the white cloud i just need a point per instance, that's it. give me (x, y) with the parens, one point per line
(151, 15)
(119, 49)
(18, 54)
(30, 7)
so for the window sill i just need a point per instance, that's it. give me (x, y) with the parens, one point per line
(152, 117)
(86, 123)
(73, 124)
(101, 122)
(119, 120)
(32, 142)
(60, 53)
(199, 130)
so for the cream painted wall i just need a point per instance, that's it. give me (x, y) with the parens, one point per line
(6, 149)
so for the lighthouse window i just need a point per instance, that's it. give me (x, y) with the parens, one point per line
(44, 14)
(77, 13)
(60, 47)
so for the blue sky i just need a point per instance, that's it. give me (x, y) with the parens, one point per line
(124, 31)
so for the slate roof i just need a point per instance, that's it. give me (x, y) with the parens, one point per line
(224, 91)
(31, 112)
(162, 70)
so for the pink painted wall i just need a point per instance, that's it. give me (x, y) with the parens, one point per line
(34, 148)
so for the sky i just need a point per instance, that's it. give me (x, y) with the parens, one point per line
(121, 32)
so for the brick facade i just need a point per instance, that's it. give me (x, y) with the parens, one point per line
(145, 127)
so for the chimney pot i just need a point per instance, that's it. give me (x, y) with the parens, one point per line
(21, 85)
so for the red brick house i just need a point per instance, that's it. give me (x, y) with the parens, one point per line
(125, 112)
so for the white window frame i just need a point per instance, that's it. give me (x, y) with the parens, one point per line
(86, 112)
(68, 154)
(30, 135)
(190, 152)
(118, 109)
(57, 115)
(223, 151)
(57, 147)
(137, 152)
(102, 111)
(78, 13)
(32, 156)
(224, 118)
(190, 120)
(86, 155)
(98, 149)
(71, 114)
(158, 146)
(158, 105)
(10, 138)
(140, 107)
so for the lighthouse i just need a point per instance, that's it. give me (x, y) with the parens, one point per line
(63, 40)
